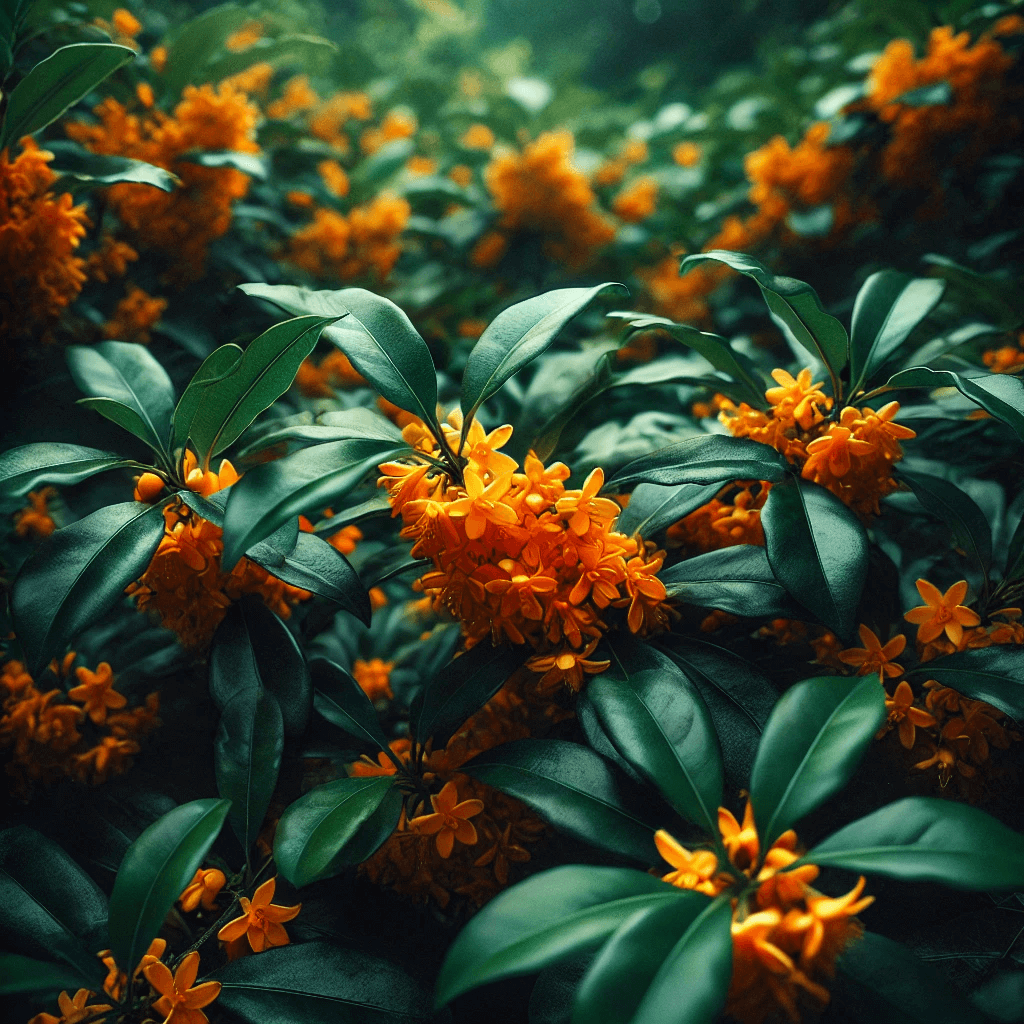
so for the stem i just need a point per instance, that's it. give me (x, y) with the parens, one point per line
(216, 927)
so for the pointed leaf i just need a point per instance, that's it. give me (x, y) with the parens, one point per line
(959, 511)
(23, 974)
(346, 425)
(378, 505)
(652, 507)
(220, 363)
(994, 675)
(343, 702)
(298, 301)
(79, 168)
(23, 469)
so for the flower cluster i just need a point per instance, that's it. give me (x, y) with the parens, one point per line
(86, 733)
(34, 520)
(319, 380)
(786, 936)
(134, 315)
(1006, 358)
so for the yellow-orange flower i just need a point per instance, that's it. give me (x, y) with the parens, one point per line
(203, 890)
(873, 657)
(374, 676)
(450, 820)
(35, 520)
(902, 714)
(261, 922)
(181, 1000)
(73, 1010)
(941, 612)
(96, 691)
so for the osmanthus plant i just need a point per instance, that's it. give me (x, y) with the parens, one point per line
(736, 924)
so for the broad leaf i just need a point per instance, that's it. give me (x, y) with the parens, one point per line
(737, 579)
(56, 83)
(515, 337)
(576, 790)
(314, 833)
(378, 505)
(155, 871)
(343, 702)
(817, 549)
(545, 919)
(24, 468)
(959, 511)
(220, 363)
(298, 301)
(127, 386)
(193, 44)
(23, 974)
(708, 459)
(1015, 554)
(658, 722)
(346, 425)
(992, 674)
(923, 839)
(253, 164)
(812, 744)
(652, 507)
(79, 573)
(79, 168)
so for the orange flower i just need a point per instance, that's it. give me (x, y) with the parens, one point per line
(297, 96)
(449, 820)
(686, 154)
(697, 870)
(374, 677)
(114, 983)
(179, 1001)
(261, 921)
(96, 692)
(134, 315)
(73, 1010)
(941, 612)
(477, 136)
(638, 201)
(903, 714)
(203, 889)
(873, 657)
(334, 177)
(34, 520)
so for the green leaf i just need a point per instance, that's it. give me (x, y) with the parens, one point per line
(817, 549)
(888, 308)
(959, 511)
(574, 789)
(343, 702)
(738, 580)
(299, 50)
(462, 687)
(652, 507)
(794, 306)
(378, 505)
(253, 164)
(79, 168)
(254, 650)
(879, 979)
(315, 831)
(922, 839)
(78, 574)
(220, 363)
(196, 42)
(56, 83)
(389, 353)
(515, 337)
(812, 744)
(264, 373)
(658, 722)
(708, 459)
(620, 974)
(128, 386)
(303, 482)
(714, 348)
(693, 981)
(12, 17)
(1001, 394)
(994, 675)
(246, 759)
(49, 907)
(545, 919)
(23, 974)
(319, 983)
(346, 425)
(299, 301)
(24, 468)
(1015, 554)
(155, 871)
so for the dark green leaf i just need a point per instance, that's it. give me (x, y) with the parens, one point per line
(23, 974)
(97, 170)
(817, 549)
(812, 744)
(738, 580)
(49, 907)
(462, 687)
(79, 573)
(315, 831)
(922, 839)
(196, 42)
(658, 722)
(992, 674)
(299, 301)
(127, 386)
(378, 505)
(252, 164)
(889, 306)
(544, 920)
(574, 789)
(708, 459)
(319, 983)
(155, 871)
(24, 468)
(1015, 554)
(12, 17)
(652, 507)
(56, 83)
(342, 701)
(347, 425)
(220, 363)
(959, 511)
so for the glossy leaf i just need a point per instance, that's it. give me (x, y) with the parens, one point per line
(346, 425)
(707, 459)
(462, 687)
(264, 373)
(49, 907)
(992, 674)
(545, 919)
(658, 722)
(127, 386)
(343, 702)
(252, 164)
(812, 744)
(576, 790)
(516, 336)
(959, 511)
(319, 983)
(817, 549)
(889, 306)
(23, 974)
(78, 574)
(303, 482)
(26, 467)
(315, 831)
(79, 168)
(57, 82)
(923, 839)
(220, 363)
(652, 507)
(247, 758)
(378, 505)
(155, 871)
(299, 301)
(737, 579)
